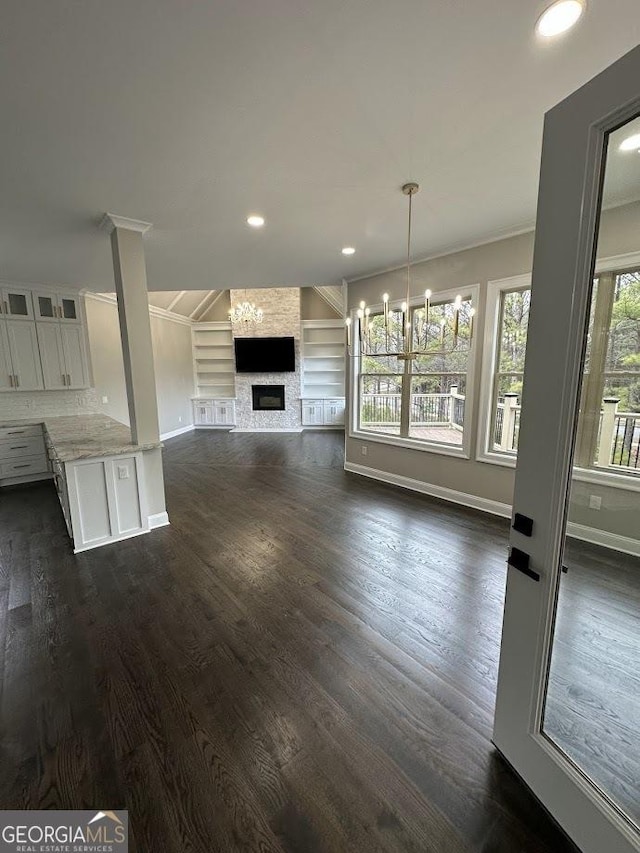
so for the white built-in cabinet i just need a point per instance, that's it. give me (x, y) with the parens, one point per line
(313, 412)
(214, 375)
(42, 341)
(103, 499)
(323, 360)
(323, 412)
(23, 456)
(214, 413)
(19, 357)
(64, 357)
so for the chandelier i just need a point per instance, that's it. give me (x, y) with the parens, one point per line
(410, 327)
(246, 314)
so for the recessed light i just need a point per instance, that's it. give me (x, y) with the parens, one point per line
(348, 250)
(255, 221)
(631, 143)
(559, 17)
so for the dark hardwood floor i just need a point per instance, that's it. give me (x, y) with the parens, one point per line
(304, 660)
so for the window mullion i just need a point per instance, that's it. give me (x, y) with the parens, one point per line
(405, 400)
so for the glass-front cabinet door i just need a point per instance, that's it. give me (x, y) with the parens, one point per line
(568, 707)
(46, 306)
(56, 307)
(68, 307)
(16, 304)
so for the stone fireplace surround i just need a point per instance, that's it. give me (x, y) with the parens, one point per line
(282, 318)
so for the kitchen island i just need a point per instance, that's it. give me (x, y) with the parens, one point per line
(109, 488)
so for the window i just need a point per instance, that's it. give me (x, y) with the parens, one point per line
(609, 432)
(421, 401)
(513, 321)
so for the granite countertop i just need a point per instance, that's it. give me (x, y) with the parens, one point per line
(84, 436)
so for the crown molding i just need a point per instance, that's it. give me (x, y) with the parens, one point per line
(154, 311)
(110, 221)
(446, 252)
(40, 285)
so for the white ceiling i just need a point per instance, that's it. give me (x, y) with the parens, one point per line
(191, 115)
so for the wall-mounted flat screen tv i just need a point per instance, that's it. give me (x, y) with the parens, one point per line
(265, 355)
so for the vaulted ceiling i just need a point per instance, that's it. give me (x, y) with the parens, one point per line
(194, 115)
(193, 304)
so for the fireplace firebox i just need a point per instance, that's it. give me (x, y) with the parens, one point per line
(268, 398)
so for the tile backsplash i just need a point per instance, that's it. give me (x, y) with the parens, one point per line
(26, 405)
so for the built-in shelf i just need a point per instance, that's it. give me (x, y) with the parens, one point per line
(323, 359)
(213, 360)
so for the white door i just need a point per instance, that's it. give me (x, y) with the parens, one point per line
(6, 368)
(25, 355)
(568, 704)
(75, 356)
(52, 355)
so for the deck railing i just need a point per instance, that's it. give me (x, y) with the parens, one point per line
(618, 441)
(427, 410)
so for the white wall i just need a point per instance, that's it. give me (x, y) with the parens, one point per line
(172, 360)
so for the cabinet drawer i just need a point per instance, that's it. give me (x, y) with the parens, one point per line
(21, 467)
(18, 446)
(20, 431)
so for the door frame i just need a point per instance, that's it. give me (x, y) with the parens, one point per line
(571, 179)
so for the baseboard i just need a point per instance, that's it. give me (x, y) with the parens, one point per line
(324, 427)
(159, 519)
(226, 427)
(175, 432)
(267, 429)
(625, 544)
(451, 495)
(91, 546)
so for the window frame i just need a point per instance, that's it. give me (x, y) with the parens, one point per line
(492, 326)
(495, 288)
(463, 451)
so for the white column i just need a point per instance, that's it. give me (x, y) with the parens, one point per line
(453, 393)
(508, 421)
(135, 327)
(607, 429)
